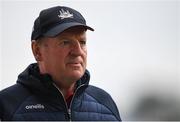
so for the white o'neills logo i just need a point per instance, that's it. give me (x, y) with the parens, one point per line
(37, 106)
(64, 14)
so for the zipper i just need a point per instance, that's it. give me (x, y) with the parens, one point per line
(69, 113)
(68, 109)
(75, 94)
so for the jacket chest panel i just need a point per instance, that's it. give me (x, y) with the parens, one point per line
(87, 108)
(34, 108)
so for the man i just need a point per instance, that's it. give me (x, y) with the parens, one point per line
(56, 87)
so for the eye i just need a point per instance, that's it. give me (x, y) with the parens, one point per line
(83, 42)
(65, 42)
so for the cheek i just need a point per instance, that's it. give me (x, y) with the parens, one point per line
(59, 57)
(85, 57)
(45, 56)
(53, 57)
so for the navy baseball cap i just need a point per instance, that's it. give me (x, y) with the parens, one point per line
(55, 20)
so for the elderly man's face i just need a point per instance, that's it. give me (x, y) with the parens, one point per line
(64, 56)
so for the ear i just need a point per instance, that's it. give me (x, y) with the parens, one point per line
(36, 50)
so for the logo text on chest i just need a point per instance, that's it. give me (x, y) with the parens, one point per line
(37, 106)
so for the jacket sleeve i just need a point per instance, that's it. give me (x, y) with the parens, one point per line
(1, 107)
(10, 99)
(0, 112)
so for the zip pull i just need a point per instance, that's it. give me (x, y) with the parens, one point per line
(69, 113)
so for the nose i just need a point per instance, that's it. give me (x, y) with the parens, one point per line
(77, 49)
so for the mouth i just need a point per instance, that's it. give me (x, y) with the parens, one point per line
(74, 64)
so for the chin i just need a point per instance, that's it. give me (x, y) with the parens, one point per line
(76, 74)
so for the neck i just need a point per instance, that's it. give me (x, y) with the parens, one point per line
(66, 90)
(67, 86)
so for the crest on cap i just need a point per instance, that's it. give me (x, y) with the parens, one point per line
(64, 14)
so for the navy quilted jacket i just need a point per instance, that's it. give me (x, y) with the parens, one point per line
(34, 97)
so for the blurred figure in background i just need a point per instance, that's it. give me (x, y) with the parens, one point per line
(157, 108)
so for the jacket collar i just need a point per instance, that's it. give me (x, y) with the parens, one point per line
(35, 81)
